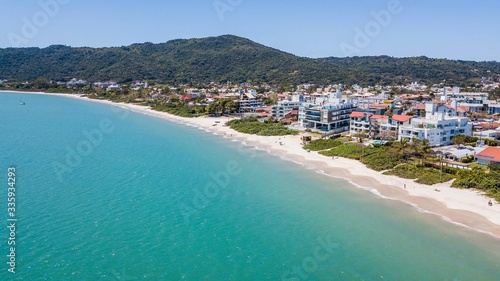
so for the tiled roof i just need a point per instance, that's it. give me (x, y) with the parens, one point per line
(384, 106)
(383, 117)
(491, 154)
(420, 106)
(401, 118)
(355, 114)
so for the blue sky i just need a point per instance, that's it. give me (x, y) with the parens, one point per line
(454, 29)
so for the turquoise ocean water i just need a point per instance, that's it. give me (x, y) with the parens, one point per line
(108, 194)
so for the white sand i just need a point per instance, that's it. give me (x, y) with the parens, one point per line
(465, 207)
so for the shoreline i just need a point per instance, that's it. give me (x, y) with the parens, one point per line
(467, 208)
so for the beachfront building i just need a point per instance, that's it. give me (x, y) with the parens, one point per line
(377, 126)
(454, 153)
(76, 82)
(438, 127)
(359, 122)
(284, 107)
(488, 156)
(248, 103)
(329, 113)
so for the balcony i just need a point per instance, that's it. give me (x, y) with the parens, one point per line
(313, 118)
(313, 113)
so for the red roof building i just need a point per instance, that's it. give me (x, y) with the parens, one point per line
(356, 114)
(488, 156)
(420, 106)
(401, 118)
(379, 106)
(380, 117)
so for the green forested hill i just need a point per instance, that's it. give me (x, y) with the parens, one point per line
(386, 70)
(227, 58)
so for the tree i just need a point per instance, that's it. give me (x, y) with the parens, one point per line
(401, 147)
(425, 149)
(41, 83)
(361, 136)
(460, 139)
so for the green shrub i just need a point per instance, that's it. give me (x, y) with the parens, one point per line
(467, 159)
(450, 170)
(382, 159)
(318, 145)
(350, 151)
(252, 125)
(422, 175)
(479, 179)
(180, 109)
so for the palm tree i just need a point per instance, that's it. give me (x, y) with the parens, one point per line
(425, 150)
(415, 146)
(401, 147)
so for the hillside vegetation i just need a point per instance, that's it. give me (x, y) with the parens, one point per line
(228, 58)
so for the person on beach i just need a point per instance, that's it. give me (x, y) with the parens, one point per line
(490, 203)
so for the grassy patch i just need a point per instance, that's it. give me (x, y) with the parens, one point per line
(422, 175)
(180, 109)
(382, 159)
(477, 178)
(350, 151)
(251, 125)
(319, 145)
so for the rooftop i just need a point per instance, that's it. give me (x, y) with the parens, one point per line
(401, 118)
(490, 153)
(358, 114)
(383, 117)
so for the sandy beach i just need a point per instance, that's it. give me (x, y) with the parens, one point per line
(465, 207)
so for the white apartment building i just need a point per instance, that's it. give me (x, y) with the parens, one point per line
(437, 127)
(377, 126)
(360, 122)
(283, 107)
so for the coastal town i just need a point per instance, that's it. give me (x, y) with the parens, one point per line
(250, 140)
(433, 134)
(437, 113)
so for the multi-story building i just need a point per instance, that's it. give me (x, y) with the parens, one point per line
(377, 123)
(248, 103)
(377, 126)
(360, 122)
(365, 100)
(328, 114)
(438, 127)
(283, 107)
(387, 127)
(474, 101)
(493, 107)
